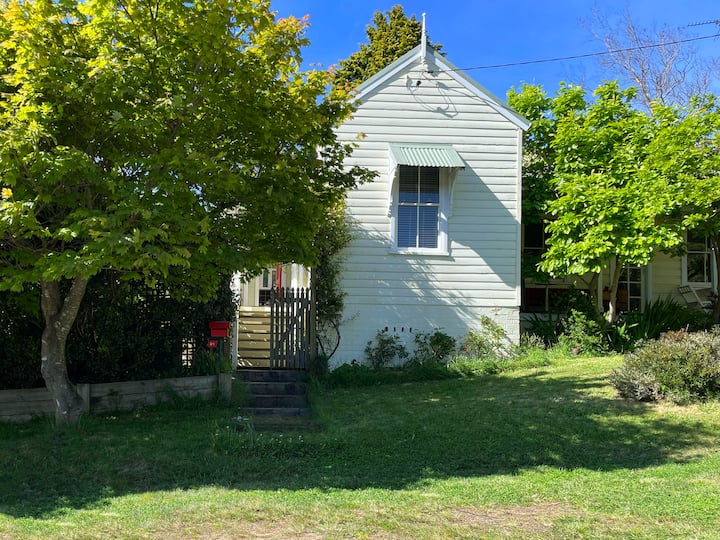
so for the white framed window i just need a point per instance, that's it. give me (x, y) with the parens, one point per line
(418, 217)
(420, 196)
(630, 289)
(698, 261)
(420, 210)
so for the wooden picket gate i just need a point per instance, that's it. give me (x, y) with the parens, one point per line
(291, 328)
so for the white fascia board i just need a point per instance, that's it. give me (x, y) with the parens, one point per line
(390, 71)
(482, 92)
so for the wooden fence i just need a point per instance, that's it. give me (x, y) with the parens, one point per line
(291, 328)
(24, 405)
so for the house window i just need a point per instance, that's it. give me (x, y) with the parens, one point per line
(267, 281)
(418, 213)
(420, 196)
(698, 259)
(629, 295)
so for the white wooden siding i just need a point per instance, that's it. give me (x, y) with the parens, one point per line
(414, 293)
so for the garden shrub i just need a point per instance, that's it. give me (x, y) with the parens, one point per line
(547, 327)
(473, 367)
(583, 334)
(352, 374)
(680, 366)
(436, 346)
(488, 341)
(427, 371)
(385, 350)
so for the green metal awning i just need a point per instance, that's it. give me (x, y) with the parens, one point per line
(426, 155)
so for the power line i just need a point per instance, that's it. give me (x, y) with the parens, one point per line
(705, 23)
(589, 55)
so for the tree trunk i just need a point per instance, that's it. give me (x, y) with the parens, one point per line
(611, 314)
(59, 316)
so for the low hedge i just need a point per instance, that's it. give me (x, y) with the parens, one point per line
(680, 366)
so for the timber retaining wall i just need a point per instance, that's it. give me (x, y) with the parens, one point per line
(24, 405)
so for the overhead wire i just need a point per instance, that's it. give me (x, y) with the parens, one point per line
(593, 54)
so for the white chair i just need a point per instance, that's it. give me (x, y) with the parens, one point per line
(692, 298)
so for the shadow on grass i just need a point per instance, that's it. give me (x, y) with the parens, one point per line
(389, 437)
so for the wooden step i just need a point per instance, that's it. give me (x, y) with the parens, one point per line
(273, 392)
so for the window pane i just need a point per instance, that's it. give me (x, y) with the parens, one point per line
(698, 267)
(696, 242)
(534, 235)
(428, 227)
(407, 226)
(408, 185)
(429, 185)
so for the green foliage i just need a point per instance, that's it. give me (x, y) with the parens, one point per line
(240, 438)
(527, 356)
(608, 195)
(583, 334)
(165, 172)
(318, 366)
(465, 366)
(680, 366)
(663, 315)
(392, 35)
(354, 374)
(436, 346)
(538, 154)
(488, 341)
(546, 327)
(127, 331)
(332, 237)
(20, 329)
(619, 184)
(385, 350)
(124, 331)
(207, 362)
(178, 143)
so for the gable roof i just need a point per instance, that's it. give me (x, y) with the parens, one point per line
(444, 65)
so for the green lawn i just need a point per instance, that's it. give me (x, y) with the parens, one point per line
(537, 453)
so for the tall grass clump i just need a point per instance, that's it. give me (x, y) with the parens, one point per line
(488, 351)
(663, 315)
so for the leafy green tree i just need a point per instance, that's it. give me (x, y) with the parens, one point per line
(390, 35)
(612, 203)
(685, 151)
(166, 139)
(618, 184)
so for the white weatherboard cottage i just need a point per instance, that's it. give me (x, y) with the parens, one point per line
(437, 233)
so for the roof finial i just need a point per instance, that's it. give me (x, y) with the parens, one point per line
(423, 41)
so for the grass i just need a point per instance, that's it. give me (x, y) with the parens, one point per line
(546, 452)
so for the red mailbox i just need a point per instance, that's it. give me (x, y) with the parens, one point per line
(219, 329)
(212, 343)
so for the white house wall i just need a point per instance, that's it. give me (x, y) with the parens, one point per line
(480, 276)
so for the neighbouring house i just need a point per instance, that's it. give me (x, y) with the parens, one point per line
(690, 279)
(437, 234)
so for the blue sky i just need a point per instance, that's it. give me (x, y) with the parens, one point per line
(482, 33)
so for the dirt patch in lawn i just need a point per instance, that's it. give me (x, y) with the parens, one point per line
(534, 521)
(536, 518)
